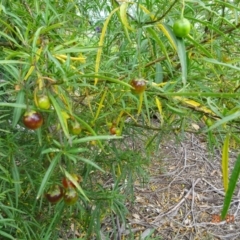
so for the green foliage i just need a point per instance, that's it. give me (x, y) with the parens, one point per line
(232, 184)
(83, 55)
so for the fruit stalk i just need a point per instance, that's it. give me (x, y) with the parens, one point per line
(183, 7)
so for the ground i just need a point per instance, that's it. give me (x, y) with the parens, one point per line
(184, 196)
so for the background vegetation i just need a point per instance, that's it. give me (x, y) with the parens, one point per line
(83, 55)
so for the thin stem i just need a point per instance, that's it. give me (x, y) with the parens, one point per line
(139, 52)
(183, 7)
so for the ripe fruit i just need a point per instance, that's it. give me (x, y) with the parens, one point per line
(181, 27)
(54, 194)
(139, 86)
(43, 102)
(68, 184)
(32, 120)
(70, 196)
(75, 128)
(115, 131)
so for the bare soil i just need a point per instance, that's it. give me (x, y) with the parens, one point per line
(184, 196)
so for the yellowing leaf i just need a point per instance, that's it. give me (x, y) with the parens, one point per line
(195, 105)
(161, 26)
(80, 58)
(167, 34)
(31, 69)
(161, 84)
(63, 60)
(101, 104)
(159, 106)
(100, 44)
(123, 15)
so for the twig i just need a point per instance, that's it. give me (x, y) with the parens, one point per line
(192, 206)
(178, 205)
(163, 16)
(214, 188)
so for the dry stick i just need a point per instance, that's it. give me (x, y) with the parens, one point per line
(228, 236)
(192, 204)
(214, 188)
(179, 204)
(184, 166)
(179, 173)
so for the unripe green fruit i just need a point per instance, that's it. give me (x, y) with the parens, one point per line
(182, 27)
(44, 102)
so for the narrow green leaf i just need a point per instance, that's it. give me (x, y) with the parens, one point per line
(183, 59)
(204, 50)
(7, 36)
(225, 162)
(18, 111)
(15, 105)
(16, 178)
(48, 175)
(9, 27)
(169, 34)
(176, 110)
(231, 187)
(159, 73)
(158, 40)
(51, 27)
(60, 115)
(50, 150)
(89, 128)
(11, 62)
(224, 120)
(79, 188)
(214, 61)
(36, 37)
(78, 150)
(201, 94)
(74, 50)
(87, 161)
(109, 79)
(46, 234)
(95, 138)
(39, 135)
(214, 107)
(6, 235)
(5, 220)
